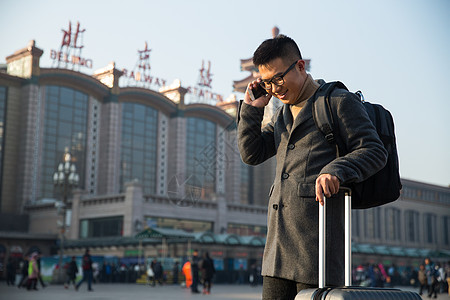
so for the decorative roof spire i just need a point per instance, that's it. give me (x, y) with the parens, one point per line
(275, 32)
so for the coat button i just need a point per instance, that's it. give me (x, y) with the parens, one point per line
(285, 175)
(291, 146)
(275, 206)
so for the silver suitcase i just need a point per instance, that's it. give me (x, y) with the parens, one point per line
(348, 291)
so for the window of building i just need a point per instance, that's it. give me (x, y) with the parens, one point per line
(183, 224)
(412, 226)
(241, 229)
(139, 146)
(444, 198)
(201, 157)
(246, 184)
(430, 228)
(65, 128)
(446, 230)
(373, 221)
(355, 223)
(393, 226)
(101, 227)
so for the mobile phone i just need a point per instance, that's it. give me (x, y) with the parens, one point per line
(257, 92)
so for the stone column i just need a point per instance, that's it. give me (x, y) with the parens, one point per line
(222, 215)
(25, 63)
(110, 132)
(74, 229)
(133, 211)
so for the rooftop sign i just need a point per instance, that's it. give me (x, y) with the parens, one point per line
(69, 53)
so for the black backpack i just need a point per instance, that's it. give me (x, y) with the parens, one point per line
(382, 187)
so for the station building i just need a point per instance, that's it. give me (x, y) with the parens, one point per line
(148, 160)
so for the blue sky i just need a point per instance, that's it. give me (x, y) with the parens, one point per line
(395, 51)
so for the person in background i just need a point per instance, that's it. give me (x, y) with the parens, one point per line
(38, 260)
(86, 264)
(253, 275)
(95, 272)
(72, 271)
(24, 270)
(33, 272)
(108, 272)
(422, 277)
(194, 270)
(150, 275)
(137, 271)
(435, 282)
(10, 272)
(441, 279)
(186, 269)
(175, 271)
(447, 274)
(158, 270)
(430, 271)
(208, 271)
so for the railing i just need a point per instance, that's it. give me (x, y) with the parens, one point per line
(233, 207)
(179, 202)
(100, 200)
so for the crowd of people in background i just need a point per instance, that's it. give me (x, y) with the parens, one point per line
(196, 266)
(430, 278)
(30, 271)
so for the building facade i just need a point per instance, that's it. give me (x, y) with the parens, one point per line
(147, 159)
(182, 155)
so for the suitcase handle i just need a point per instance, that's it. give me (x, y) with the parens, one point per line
(348, 240)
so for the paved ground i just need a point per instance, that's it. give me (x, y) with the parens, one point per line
(137, 292)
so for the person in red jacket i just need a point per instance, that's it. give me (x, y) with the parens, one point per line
(86, 264)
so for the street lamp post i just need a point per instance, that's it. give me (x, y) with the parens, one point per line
(64, 179)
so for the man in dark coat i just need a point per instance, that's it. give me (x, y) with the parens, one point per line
(307, 167)
(86, 264)
(24, 271)
(38, 260)
(194, 270)
(175, 271)
(72, 270)
(158, 270)
(208, 270)
(10, 272)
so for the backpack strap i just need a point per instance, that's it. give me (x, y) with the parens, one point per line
(322, 114)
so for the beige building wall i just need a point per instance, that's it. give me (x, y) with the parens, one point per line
(9, 202)
(109, 148)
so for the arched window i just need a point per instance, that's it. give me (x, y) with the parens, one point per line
(201, 157)
(65, 128)
(139, 146)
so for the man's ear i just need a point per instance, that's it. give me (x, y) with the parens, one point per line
(301, 65)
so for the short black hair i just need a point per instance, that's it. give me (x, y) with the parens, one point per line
(279, 47)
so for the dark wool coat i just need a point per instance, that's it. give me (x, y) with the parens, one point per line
(72, 270)
(207, 268)
(302, 153)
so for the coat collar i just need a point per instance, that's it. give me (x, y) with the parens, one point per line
(303, 115)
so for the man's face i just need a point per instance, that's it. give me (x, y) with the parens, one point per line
(288, 92)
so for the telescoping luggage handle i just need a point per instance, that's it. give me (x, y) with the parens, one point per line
(348, 240)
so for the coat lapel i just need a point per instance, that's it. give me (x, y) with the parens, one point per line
(304, 115)
(287, 117)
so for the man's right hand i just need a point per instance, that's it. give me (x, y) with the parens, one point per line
(259, 102)
(328, 185)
